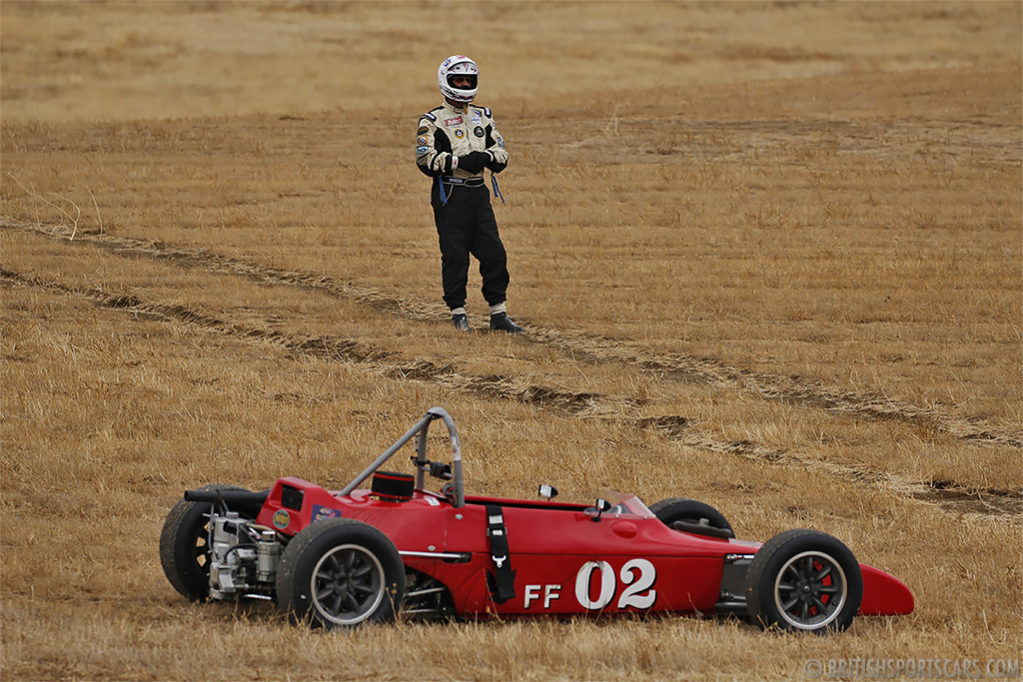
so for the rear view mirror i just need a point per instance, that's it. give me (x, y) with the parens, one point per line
(599, 508)
(547, 491)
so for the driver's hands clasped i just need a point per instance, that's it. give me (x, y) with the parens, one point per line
(473, 162)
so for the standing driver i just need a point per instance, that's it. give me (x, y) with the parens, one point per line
(454, 143)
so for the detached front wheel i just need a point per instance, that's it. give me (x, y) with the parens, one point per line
(804, 580)
(340, 572)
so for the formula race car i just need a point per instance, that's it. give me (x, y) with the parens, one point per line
(353, 556)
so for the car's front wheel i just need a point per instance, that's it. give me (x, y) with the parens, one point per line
(340, 572)
(804, 580)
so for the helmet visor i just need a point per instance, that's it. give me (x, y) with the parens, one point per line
(462, 81)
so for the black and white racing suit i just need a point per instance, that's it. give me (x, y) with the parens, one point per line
(460, 199)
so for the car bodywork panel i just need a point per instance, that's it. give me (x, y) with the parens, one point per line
(565, 558)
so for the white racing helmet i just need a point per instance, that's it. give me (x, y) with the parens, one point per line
(458, 65)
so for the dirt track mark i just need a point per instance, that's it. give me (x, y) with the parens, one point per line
(330, 348)
(682, 368)
(794, 389)
(943, 493)
(946, 494)
(207, 261)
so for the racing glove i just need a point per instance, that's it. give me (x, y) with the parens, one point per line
(473, 161)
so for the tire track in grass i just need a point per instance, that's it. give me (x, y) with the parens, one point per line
(793, 389)
(948, 495)
(685, 369)
(588, 405)
(389, 363)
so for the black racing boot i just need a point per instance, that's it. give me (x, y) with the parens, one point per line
(461, 322)
(500, 322)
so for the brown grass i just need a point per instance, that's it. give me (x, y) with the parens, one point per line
(769, 256)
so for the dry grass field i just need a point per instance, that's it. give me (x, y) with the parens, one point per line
(769, 256)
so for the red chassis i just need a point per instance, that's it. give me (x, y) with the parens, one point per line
(355, 555)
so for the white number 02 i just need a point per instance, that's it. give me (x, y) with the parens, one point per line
(638, 575)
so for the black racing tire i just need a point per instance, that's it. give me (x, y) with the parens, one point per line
(184, 553)
(692, 514)
(804, 580)
(340, 573)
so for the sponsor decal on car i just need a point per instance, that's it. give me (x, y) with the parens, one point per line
(456, 121)
(320, 513)
(281, 519)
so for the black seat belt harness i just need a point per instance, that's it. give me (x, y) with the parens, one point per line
(502, 579)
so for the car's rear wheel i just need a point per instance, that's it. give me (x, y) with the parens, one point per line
(692, 516)
(184, 552)
(804, 580)
(340, 572)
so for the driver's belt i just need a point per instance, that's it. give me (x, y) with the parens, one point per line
(502, 579)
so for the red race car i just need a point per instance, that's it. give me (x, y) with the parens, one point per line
(346, 557)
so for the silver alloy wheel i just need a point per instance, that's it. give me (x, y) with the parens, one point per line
(347, 584)
(810, 590)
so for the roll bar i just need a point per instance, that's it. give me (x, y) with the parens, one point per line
(419, 433)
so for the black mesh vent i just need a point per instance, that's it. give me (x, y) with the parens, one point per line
(292, 497)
